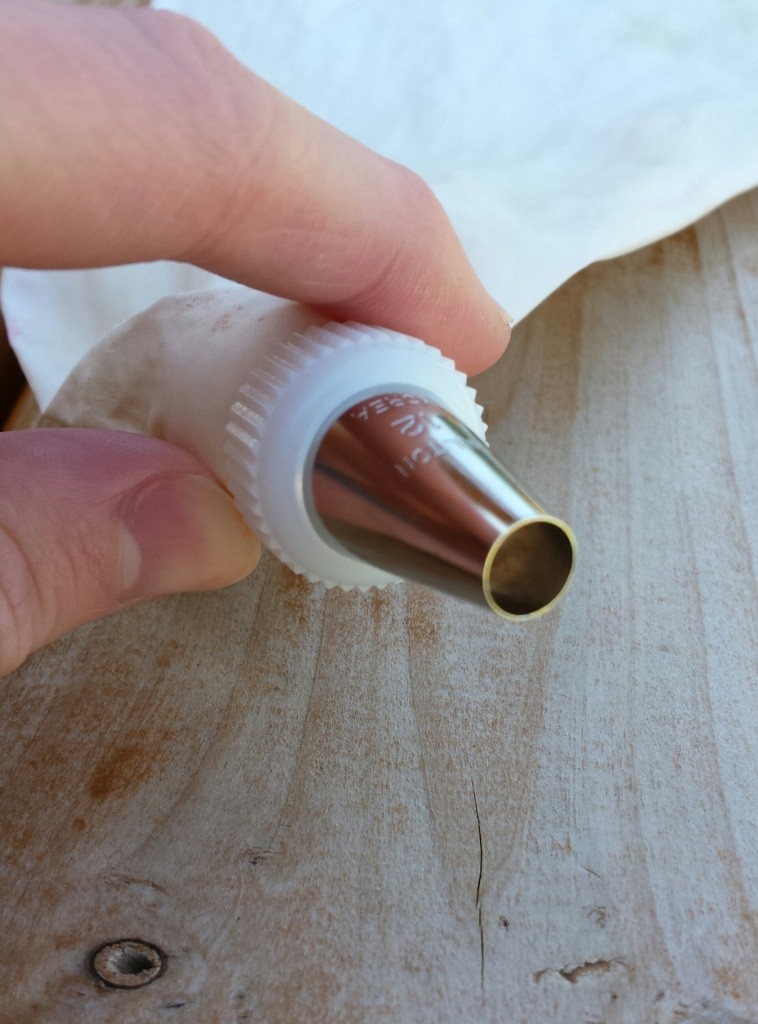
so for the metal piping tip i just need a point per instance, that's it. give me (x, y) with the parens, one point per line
(399, 482)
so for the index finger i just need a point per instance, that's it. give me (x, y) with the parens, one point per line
(133, 135)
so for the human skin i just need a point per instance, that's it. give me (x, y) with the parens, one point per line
(133, 135)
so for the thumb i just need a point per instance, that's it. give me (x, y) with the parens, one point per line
(93, 521)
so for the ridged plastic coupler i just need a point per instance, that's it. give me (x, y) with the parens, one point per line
(358, 456)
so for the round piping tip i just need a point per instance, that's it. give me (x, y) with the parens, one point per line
(358, 456)
(399, 482)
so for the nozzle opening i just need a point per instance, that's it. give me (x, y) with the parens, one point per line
(529, 567)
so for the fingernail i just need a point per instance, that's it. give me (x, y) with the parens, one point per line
(183, 533)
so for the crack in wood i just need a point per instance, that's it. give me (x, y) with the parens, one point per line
(478, 899)
(257, 854)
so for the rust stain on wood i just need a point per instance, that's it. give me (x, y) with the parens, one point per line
(122, 769)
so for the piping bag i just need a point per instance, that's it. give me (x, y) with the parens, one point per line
(357, 454)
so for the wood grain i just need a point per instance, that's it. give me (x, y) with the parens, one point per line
(353, 808)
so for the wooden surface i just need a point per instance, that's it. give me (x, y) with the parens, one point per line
(393, 807)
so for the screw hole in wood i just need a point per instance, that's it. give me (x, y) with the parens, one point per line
(128, 963)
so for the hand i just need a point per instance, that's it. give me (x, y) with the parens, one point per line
(132, 135)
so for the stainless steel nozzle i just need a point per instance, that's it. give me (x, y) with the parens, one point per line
(399, 482)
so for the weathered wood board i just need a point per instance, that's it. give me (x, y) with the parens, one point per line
(393, 807)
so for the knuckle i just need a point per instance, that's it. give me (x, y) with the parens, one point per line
(220, 119)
